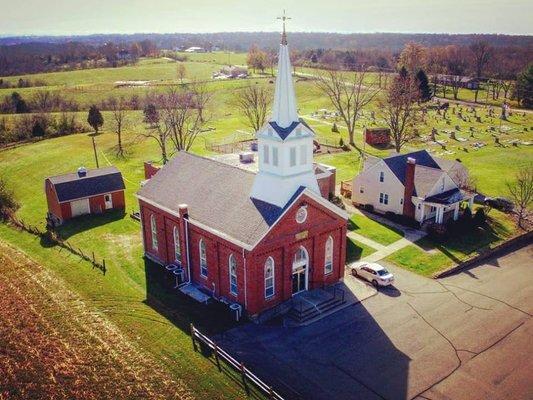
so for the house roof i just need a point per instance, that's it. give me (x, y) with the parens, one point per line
(96, 181)
(425, 180)
(217, 196)
(398, 162)
(449, 197)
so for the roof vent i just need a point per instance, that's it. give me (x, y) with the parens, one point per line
(411, 160)
(82, 172)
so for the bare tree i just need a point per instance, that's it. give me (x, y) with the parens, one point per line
(252, 101)
(182, 114)
(181, 71)
(118, 109)
(521, 191)
(481, 53)
(156, 130)
(400, 110)
(349, 94)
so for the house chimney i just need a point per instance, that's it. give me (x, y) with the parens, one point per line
(183, 211)
(408, 206)
(82, 172)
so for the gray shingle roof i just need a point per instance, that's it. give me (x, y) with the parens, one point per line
(425, 179)
(97, 181)
(217, 195)
(398, 162)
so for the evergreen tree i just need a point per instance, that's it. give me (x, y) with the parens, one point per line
(37, 130)
(95, 118)
(19, 104)
(524, 87)
(423, 86)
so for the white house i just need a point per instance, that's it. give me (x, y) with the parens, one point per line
(417, 185)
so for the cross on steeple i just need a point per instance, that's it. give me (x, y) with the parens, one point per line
(284, 34)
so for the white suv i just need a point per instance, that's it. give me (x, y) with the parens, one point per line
(372, 272)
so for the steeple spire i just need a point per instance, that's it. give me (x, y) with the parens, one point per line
(284, 110)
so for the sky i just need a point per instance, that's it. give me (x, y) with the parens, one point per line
(79, 17)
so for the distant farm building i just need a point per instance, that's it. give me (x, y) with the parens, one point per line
(377, 136)
(195, 50)
(84, 192)
(465, 82)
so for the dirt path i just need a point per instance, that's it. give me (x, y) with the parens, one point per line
(54, 345)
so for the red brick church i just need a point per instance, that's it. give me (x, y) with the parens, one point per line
(255, 239)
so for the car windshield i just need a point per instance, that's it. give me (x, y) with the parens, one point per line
(383, 272)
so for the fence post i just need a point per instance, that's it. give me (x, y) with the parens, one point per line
(215, 348)
(192, 337)
(93, 259)
(271, 393)
(103, 266)
(243, 375)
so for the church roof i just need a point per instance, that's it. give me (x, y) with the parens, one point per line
(217, 196)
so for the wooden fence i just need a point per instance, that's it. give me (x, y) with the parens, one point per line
(247, 377)
(54, 238)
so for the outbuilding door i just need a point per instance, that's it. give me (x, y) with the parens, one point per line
(80, 207)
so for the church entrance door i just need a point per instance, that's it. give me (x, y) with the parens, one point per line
(300, 270)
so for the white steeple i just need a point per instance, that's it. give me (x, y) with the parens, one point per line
(284, 110)
(285, 144)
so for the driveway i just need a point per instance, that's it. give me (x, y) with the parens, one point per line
(465, 336)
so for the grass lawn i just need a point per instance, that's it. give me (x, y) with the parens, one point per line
(374, 230)
(356, 250)
(427, 257)
(133, 298)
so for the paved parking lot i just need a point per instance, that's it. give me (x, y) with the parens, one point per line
(465, 336)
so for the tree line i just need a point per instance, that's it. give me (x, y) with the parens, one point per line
(34, 57)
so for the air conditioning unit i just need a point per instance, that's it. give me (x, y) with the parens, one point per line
(247, 157)
(236, 310)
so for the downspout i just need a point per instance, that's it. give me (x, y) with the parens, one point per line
(245, 291)
(187, 247)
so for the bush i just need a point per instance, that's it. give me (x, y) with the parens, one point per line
(437, 232)
(334, 128)
(480, 217)
(368, 207)
(8, 202)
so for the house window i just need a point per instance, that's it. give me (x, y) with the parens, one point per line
(203, 258)
(401, 201)
(433, 209)
(153, 226)
(275, 156)
(269, 277)
(303, 154)
(361, 189)
(177, 247)
(328, 259)
(232, 263)
(293, 156)
(382, 176)
(383, 198)
(266, 154)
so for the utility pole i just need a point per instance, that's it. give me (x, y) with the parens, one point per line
(95, 153)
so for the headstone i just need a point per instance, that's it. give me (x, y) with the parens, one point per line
(457, 128)
(478, 119)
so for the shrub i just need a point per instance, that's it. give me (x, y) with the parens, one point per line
(437, 232)
(334, 128)
(479, 217)
(368, 207)
(8, 202)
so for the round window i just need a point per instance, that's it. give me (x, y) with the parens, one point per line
(301, 215)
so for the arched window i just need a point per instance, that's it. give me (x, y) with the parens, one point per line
(328, 258)
(203, 258)
(153, 227)
(269, 277)
(232, 264)
(177, 246)
(300, 257)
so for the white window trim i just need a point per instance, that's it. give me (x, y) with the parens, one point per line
(203, 258)
(303, 154)
(232, 264)
(275, 156)
(328, 256)
(272, 277)
(177, 244)
(153, 229)
(292, 158)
